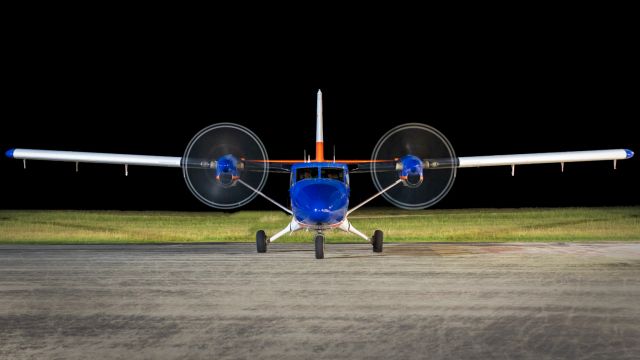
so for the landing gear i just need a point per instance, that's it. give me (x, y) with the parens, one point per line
(261, 241)
(319, 241)
(376, 241)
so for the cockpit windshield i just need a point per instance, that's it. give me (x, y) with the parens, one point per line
(306, 173)
(332, 173)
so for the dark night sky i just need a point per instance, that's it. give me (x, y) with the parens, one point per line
(489, 93)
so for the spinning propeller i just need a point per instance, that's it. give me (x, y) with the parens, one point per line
(423, 159)
(216, 169)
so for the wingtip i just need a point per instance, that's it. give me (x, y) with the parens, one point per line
(9, 153)
(629, 153)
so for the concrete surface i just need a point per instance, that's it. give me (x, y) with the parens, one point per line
(474, 301)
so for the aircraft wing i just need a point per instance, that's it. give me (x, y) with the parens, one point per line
(543, 158)
(362, 165)
(92, 157)
(125, 159)
(501, 160)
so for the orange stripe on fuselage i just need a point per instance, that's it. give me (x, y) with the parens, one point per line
(319, 151)
(302, 161)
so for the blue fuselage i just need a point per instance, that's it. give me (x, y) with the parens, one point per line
(319, 193)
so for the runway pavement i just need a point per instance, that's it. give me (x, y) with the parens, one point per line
(473, 301)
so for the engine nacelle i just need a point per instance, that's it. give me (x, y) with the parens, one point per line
(410, 170)
(228, 170)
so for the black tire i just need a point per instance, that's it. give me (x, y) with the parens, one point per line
(261, 241)
(319, 242)
(377, 241)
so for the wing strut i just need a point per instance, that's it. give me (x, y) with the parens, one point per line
(266, 197)
(374, 196)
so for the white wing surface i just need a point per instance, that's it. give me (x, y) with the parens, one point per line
(91, 157)
(544, 158)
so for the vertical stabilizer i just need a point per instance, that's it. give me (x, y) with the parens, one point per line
(319, 137)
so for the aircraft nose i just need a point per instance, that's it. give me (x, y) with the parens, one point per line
(319, 203)
(319, 212)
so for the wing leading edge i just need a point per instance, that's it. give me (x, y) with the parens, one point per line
(363, 165)
(544, 158)
(92, 157)
(503, 160)
(121, 159)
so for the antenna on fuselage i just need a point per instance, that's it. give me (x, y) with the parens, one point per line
(334, 153)
(319, 137)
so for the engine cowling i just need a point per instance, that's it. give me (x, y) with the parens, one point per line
(411, 171)
(228, 170)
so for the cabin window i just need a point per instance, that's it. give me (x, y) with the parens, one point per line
(332, 173)
(306, 173)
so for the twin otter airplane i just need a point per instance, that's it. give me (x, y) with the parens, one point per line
(413, 166)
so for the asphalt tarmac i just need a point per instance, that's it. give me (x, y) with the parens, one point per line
(437, 301)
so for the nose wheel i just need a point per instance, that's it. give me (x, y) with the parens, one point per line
(319, 242)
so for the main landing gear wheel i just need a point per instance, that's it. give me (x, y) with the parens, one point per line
(261, 241)
(376, 241)
(319, 242)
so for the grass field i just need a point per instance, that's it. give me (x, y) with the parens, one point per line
(469, 225)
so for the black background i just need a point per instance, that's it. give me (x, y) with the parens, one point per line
(491, 89)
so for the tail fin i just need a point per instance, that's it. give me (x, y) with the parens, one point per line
(319, 137)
